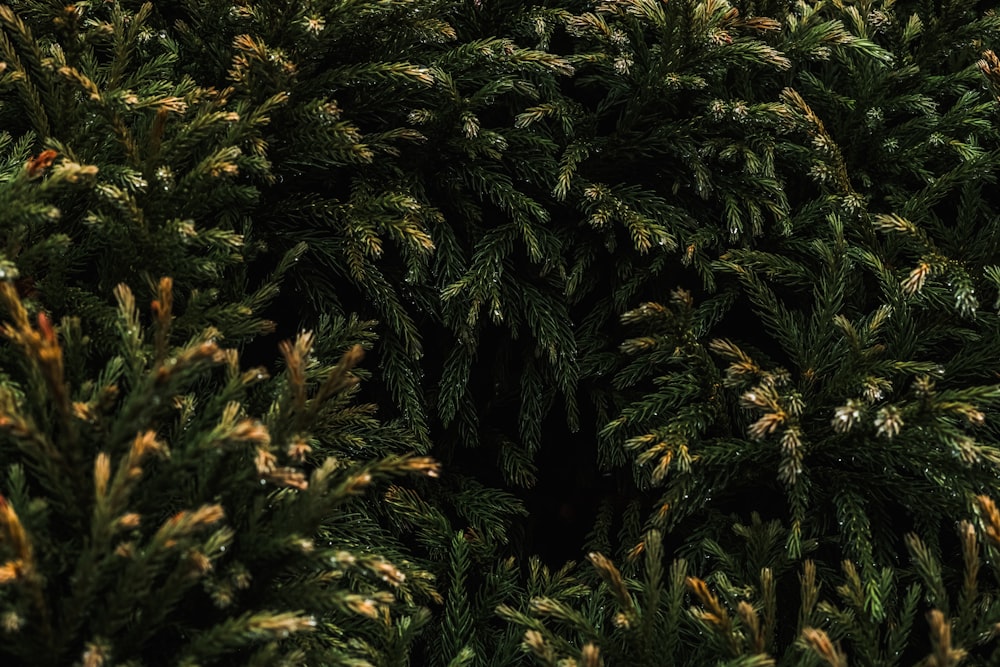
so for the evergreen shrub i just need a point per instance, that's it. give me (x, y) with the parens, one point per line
(706, 290)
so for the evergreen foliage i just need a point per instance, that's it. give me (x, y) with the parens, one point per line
(714, 279)
(854, 312)
(148, 519)
(642, 619)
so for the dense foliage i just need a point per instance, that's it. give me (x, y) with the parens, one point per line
(705, 289)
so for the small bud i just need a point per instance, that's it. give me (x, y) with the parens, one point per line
(102, 473)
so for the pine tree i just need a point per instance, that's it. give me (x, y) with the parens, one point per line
(835, 369)
(668, 263)
(162, 503)
(147, 518)
(857, 402)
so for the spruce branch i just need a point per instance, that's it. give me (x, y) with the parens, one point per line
(146, 539)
